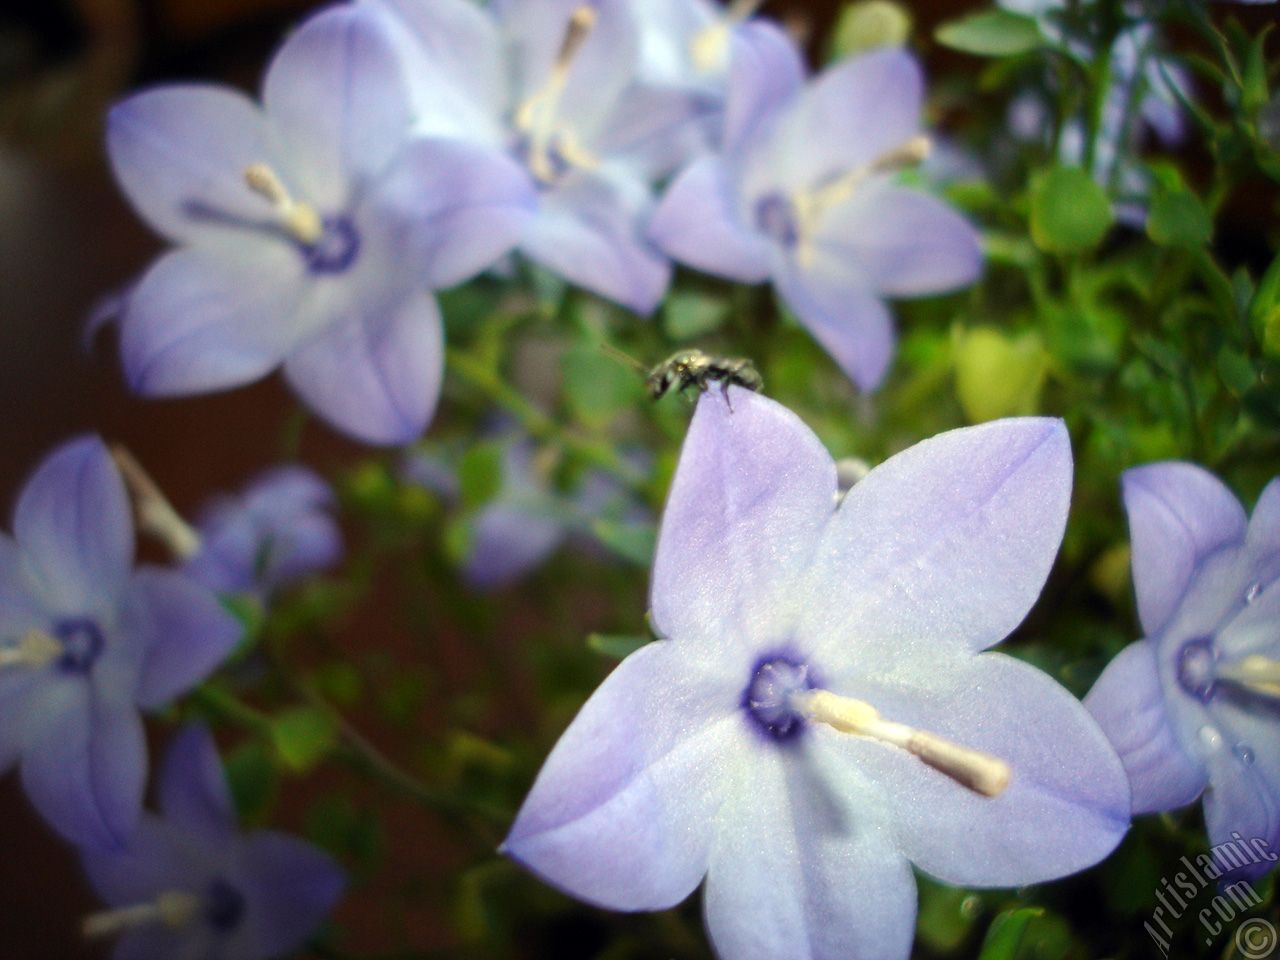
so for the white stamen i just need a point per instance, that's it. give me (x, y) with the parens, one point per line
(155, 515)
(299, 219)
(1256, 673)
(539, 115)
(980, 772)
(35, 649)
(173, 908)
(710, 48)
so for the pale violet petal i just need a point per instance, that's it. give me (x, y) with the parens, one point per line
(148, 864)
(507, 542)
(1241, 809)
(193, 790)
(290, 886)
(766, 75)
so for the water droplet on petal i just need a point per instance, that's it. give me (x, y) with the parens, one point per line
(1252, 593)
(1244, 753)
(1210, 737)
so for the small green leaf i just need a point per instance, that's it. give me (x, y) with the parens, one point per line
(251, 775)
(997, 375)
(302, 737)
(617, 647)
(631, 541)
(690, 314)
(992, 33)
(1178, 219)
(1004, 936)
(480, 474)
(1069, 212)
(869, 25)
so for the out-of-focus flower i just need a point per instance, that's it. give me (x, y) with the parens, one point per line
(724, 751)
(308, 231)
(189, 884)
(86, 640)
(803, 194)
(1193, 705)
(553, 82)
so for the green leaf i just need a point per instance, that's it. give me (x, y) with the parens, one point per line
(1178, 219)
(1004, 936)
(251, 775)
(302, 737)
(1264, 308)
(631, 541)
(597, 387)
(617, 647)
(869, 25)
(480, 474)
(992, 33)
(690, 314)
(1069, 212)
(997, 375)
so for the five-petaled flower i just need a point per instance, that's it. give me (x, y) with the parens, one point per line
(803, 193)
(820, 715)
(1193, 705)
(189, 884)
(86, 640)
(309, 231)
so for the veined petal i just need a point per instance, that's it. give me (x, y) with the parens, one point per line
(845, 316)
(466, 206)
(184, 631)
(338, 102)
(179, 152)
(943, 546)
(1240, 806)
(751, 495)
(850, 115)
(149, 863)
(1067, 804)
(84, 763)
(590, 231)
(193, 789)
(1178, 514)
(1129, 705)
(201, 320)
(74, 526)
(1262, 539)
(806, 866)
(376, 379)
(766, 74)
(289, 886)
(697, 223)
(623, 813)
(904, 242)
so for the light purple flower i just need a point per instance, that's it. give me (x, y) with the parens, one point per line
(803, 194)
(1194, 703)
(308, 231)
(86, 640)
(700, 755)
(189, 884)
(553, 82)
(279, 531)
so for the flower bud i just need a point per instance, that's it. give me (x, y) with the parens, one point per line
(997, 375)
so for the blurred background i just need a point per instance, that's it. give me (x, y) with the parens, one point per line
(68, 240)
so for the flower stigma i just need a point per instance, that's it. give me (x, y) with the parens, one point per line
(34, 649)
(552, 145)
(1255, 673)
(152, 511)
(173, 908)
(298, 219)
(710, 47)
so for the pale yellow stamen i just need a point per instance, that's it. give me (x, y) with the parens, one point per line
(539, 116)
(1256, 673)
(174, 909)
(710, 48)
(302, 222)
(980, 772)
(811, 206)
(155, 515)
(34, 649)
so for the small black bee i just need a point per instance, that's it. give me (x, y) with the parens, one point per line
(693, 368)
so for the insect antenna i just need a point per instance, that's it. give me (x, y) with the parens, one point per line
(625, 358)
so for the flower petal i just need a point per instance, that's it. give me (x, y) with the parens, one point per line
(466, 207)
(944, 546)
(185, 632)
(289, 886)
(1240, 808)
(623, 813)
(179, 153)
(338, 103)
(84, 763)
(507, 543)
(377, 380)
(751, 494)
(766, 74)
(150, 863)
(803, 868)
(193, 788)
(903, 242)
(589, 231)
(199, 321)
(1178, 514)
(1067, 805)
(850, 321)
(74, 526)
(1128, 704)
(696, 223)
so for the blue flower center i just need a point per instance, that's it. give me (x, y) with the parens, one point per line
(776, 217)
(1196, 668)
(336, 250)
(768, 697)
(82, 643)
(224, 906)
